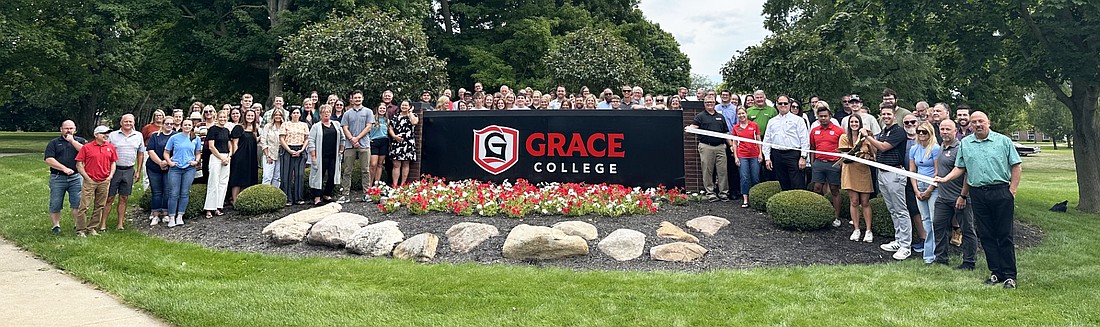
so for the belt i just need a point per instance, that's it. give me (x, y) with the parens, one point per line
(124, 167)
(993, 187)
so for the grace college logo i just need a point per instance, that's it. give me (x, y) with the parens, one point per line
(496, 148)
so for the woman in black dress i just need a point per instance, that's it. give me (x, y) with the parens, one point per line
(403, 148)
(326, 143)
(246, 159)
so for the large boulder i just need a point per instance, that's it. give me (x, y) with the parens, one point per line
(294, 227)
(623, 244)
(420, 247)
(464, 236)
(678, 252)
(708, 225)
(672, 232)
(334, 230)
(375, 240)
(577, 228)
(540, 242)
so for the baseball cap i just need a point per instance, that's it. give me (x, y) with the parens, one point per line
(195, 115)
(102, 130)
(855, 98)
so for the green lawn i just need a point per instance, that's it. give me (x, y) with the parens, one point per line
(21, 142)
(189, 285)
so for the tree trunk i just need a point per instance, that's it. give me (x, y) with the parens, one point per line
(274, 82)
(1086, 155)
(87, 119)
(445, 9)
(1055, 142)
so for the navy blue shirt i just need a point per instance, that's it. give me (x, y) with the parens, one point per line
(713, 123)
(895, 136)
(62, 151)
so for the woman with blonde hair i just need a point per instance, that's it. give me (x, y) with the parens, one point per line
(221, 155)
(923, 158)
(270, 146)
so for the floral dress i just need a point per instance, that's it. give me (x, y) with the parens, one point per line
(406, 149)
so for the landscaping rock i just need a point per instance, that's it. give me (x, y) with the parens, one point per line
(375, 240)
(678, 252)
(334, 230)
(577, 228)
(708, 225)
(540, 242)
(313, 215)
(464, 236)
(623, 244)
(294, 227)
(420, 247)
(670, 231)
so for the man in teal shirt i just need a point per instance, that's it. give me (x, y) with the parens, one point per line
(992, 169)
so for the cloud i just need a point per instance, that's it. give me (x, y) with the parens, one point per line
(709, 31)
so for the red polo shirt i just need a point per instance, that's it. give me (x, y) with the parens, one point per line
(825, 139)
(746, 149)
(98, 159)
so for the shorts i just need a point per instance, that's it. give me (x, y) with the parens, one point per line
(825, 173)
(380, 147)
(62, 184)
(122, 183)
(911, 199)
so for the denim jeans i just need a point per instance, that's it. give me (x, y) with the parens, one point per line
(62, 184)
(750, 173)
(272, 172)
(158, 201)
(927, 211)
(179, 189)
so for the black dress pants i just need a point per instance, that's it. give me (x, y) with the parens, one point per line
(785, 166)
(994, 207)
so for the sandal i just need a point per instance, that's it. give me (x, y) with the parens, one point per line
(208, 215)
(218, 213)
(744, 205)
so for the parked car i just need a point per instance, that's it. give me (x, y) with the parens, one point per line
(1025, 150)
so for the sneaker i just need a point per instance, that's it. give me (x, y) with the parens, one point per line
(81, 234)
(366, 198)
(867, 237)
(1010, 283)
(892, 246)
(154, 220)
(93, 233)
(956, 238)
(918, 247)
(965, 266)
(56, 230)
(993, 280)
(713, 199)
(179, 220)
(724, 199)
(170, 221)
(837, 223)
(902, 254)
(855, 236)
(342, 199)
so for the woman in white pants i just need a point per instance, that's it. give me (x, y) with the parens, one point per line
(221, 152)
(270, 146)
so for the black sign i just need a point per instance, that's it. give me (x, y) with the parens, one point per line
(633, 147)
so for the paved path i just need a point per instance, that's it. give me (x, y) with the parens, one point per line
(33, 293)
(12, 154)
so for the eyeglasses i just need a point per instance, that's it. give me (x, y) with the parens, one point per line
(782, 103)
(796, 107)
(170, 124)
(910, 122)
(923, 132)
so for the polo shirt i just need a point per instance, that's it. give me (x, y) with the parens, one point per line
(64, 152)
(98, 159)
(555, 104)
(730, 112)
(895, 135)
(951, 190)
(761, 116)
(710, 122)
(786, 130)
(356, 119)
(987, 162)
(747, 149)
(128, 146)
(825, 139)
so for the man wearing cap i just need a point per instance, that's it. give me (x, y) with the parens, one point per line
(60, 155)
(130, 147)
(96, 163)
(870, 122)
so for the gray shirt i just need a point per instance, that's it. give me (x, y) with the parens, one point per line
(951, 190)
(357, 119)
(128, 146)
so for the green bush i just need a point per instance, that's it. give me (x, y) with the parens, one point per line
(845, 212)
(800, 210)
(146, 200)
(261, 198)
(195, 201)
(760, 193)
(881, 224)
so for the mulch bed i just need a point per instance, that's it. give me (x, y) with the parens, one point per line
(749, 241)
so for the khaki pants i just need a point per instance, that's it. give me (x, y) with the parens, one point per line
(92, 194)
(713, 160)
(350, 155)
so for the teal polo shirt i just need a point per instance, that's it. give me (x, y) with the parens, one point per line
(989, 161)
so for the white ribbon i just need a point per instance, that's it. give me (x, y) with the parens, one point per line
(903, 172)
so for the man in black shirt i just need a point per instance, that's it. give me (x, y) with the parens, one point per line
(891, 149)
(60, 155)
(712, 151)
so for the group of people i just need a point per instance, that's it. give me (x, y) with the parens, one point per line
(974, 171)
(631, 98)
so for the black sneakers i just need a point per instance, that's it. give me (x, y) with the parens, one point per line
(993, 280)
(965, 266)
(56, 230)
(1010, 283)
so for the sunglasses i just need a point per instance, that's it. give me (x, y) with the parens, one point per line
(170, 124)
(910, 122)
(626, 91)
(782, 103)
(923, 132)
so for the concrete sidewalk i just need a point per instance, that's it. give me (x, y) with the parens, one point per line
(33, 293)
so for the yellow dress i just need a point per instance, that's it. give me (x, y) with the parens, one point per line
(856, 176)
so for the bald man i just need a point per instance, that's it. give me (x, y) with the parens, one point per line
(131, 153)
(992, 169)
(60, 155)
(951, 204)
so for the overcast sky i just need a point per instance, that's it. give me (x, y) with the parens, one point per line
(709, 31)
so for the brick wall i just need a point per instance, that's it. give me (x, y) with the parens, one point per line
(693, 174)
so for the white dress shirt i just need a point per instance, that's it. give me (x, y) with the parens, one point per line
(786, 130)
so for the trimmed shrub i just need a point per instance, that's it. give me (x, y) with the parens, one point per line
(800, 210)
(195, 202)
(146, 200)
(260, 198)
(881, 224)
(760, 193)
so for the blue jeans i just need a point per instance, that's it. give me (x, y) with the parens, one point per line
(61, 184)
(179, 189)
(750, 173)
(158, 202)
(927, 211)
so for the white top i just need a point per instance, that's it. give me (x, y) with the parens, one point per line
(786, 130)
(869, 123)
(128, 146)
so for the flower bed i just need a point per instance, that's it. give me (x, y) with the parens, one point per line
(470, 197)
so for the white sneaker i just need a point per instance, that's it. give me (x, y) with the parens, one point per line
(867, 237)
(342, 199)
(171, 221)
(179, 220)
(836, 222)
(892, 246)
(154, 220)
(902, 254)
(855, 236)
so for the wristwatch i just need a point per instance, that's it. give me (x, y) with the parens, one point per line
(963, 197)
